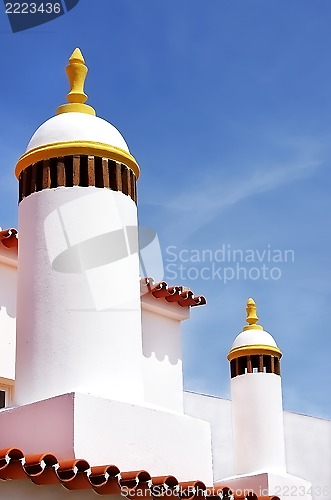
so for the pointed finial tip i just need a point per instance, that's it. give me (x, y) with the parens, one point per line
(77, 56)
(252, 318)
(76, 71)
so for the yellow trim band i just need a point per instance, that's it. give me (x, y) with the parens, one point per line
(252, 327)
(248, 350)
(76, 148)
(75, 107)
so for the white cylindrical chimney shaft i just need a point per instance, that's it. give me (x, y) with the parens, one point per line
(257, 422)
(256, 396)
(78, 316)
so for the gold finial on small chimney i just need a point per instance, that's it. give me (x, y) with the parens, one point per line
(252, 317)
(76, 71)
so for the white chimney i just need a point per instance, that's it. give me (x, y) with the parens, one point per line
(256, 395)
(79, 314)
(257, 416)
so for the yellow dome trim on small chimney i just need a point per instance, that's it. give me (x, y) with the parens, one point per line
(76, 71)
(252, 317)
(247, 345)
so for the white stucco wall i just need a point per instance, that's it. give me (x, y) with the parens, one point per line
(217, 411)
(8, 280)
(307, 442)
(162, 352)
(308, 450)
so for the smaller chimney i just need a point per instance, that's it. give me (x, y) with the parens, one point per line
(256, 393)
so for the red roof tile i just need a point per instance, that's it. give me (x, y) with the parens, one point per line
(45, 469)
(183, 296)
(8, 238)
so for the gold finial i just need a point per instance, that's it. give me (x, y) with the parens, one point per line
(252, 317)
(76, 71)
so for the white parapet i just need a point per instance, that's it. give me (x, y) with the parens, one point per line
(79, 313)
(162, 352)
(104, 431)
(285, 486)
(8, 278)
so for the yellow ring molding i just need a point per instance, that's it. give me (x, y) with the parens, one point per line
(74, 148)
(254, 349)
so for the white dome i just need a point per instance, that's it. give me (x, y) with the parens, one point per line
(253, 337)
(74, 126)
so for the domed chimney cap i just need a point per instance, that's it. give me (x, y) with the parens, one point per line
(253, 339)
(76, 129)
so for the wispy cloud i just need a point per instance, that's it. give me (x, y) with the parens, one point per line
(215, 194)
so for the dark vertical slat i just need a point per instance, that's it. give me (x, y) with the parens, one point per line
(2, 399)
(242, 365)
(39, 180)
(33, 185)
(20, 188)
(236, 367)
(118, 177)
(249, 365)
(128, 179)
(277, 366)
(272, 363)
(255, 362)
(68, 167)
(261, 363)
(46, 183)
(112, 169)
(26, 177)
(98, 172)
(53, 170)
(90, 171)
(83, 181)
(76, 171)
(105, 173)
(126, 186)
(267, 362)
(61, 174)
(133, 186)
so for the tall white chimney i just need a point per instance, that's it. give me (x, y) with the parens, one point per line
(79, 313)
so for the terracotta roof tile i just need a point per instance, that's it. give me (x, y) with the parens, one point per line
(45, 469)
(183, 296)
(8, 238)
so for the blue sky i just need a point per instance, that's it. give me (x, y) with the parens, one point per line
(227, 108)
